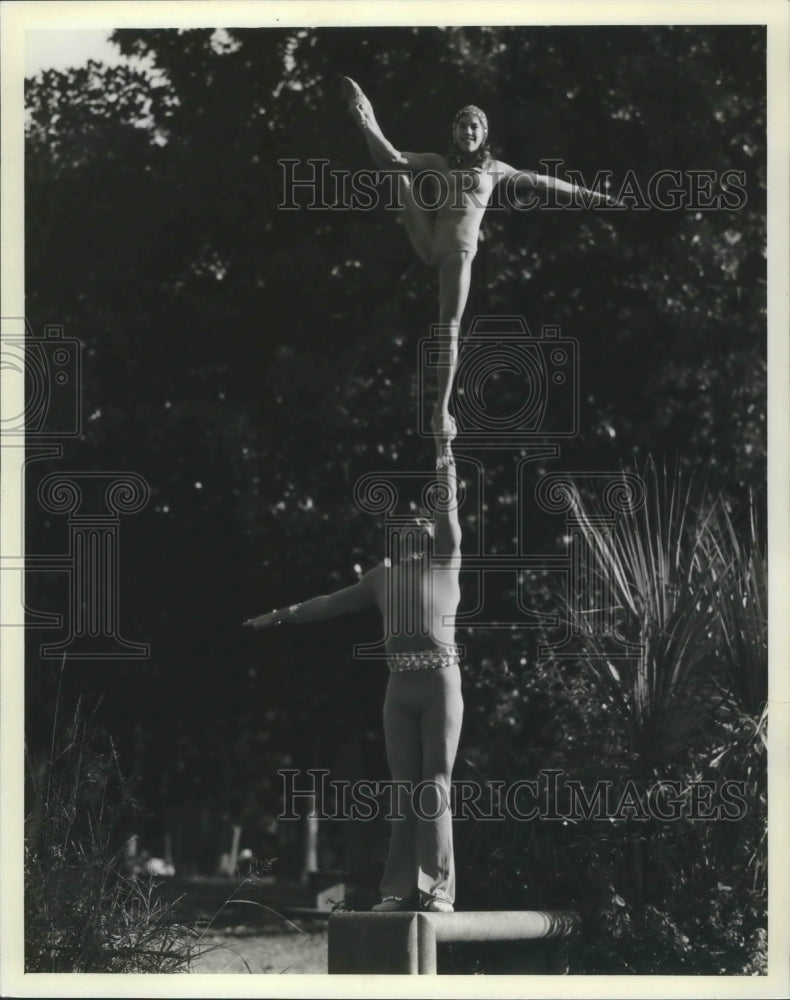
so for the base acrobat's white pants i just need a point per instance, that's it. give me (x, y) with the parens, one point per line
(423, 711)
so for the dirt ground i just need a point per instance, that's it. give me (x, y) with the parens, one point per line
(248, 950)
(250, 927)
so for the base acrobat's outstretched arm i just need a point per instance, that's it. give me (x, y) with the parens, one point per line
(354, 598)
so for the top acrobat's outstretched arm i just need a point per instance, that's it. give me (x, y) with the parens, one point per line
(384, 154)
(529, 179)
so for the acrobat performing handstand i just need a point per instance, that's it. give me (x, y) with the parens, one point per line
(417, 592)
(447, 239)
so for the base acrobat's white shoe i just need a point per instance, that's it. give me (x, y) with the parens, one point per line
(359, 106)
(438, 906)
(390, 904)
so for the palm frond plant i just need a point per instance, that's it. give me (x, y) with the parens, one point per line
(647, 568)
(649, 696)
(643, 614)
(738, 564)
(681, 660)
(740, 569)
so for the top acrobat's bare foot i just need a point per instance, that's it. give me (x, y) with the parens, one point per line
(360, 107)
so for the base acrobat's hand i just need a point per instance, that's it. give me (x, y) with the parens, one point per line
(444, 429)
(443, 426)
(264, 621)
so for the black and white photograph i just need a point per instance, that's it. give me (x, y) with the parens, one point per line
(394, 495)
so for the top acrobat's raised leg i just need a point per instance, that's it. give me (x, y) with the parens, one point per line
(417, 221)
(421, 230)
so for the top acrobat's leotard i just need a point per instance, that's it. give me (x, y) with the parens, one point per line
(461, 212)
(462, 207)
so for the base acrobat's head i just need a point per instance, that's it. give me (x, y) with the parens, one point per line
(412, 539)
(423, 525)
(470, 136)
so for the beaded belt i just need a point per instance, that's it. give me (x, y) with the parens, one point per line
(425, 659)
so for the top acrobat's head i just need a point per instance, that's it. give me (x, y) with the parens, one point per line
(470, 136)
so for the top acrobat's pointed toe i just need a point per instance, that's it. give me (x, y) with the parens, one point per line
(351, 90)
(359, 106)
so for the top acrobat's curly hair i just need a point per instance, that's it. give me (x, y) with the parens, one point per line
(482, 156)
